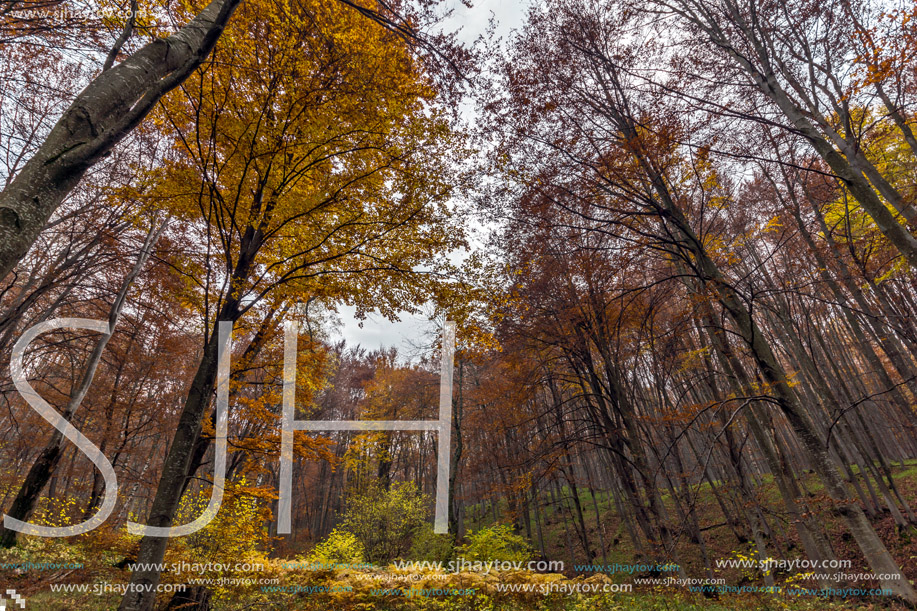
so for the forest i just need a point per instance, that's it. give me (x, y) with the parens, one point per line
(664, 252)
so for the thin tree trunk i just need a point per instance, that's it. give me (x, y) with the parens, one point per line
(46, 463)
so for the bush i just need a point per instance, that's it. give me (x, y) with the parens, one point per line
(339, 547)
(384, 520)
(427, 545)
(497, 542)
(235, 531)
(236, 535)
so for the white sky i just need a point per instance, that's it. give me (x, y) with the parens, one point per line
(509, 15)
(377, 331)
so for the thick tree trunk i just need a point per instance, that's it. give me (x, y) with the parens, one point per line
(456, 458)
(101, 116)
(142, 596)
(39, 474)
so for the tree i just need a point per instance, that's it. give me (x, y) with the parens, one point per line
(583, 111)
(46, 463)
(795, 56)
(316, 168)
(385, 519)
(113, 104)
(121, 96)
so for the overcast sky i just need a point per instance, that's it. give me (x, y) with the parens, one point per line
(509, 15)
(377, 331)
(412, 329)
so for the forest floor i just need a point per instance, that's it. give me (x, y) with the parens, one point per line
(87, 572)
(611, 545)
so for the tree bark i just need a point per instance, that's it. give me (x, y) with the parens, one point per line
(102, 114)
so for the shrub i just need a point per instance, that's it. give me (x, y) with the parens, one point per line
(427, 545)
(385, 520)
(235, 531)
(497, 542)
(339, 547)
(235, 536)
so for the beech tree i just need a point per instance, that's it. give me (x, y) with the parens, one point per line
(316, 169)
(46, 463)
(117, 99)
(798, 56)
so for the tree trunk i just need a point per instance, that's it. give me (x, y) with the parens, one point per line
(102, 114)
